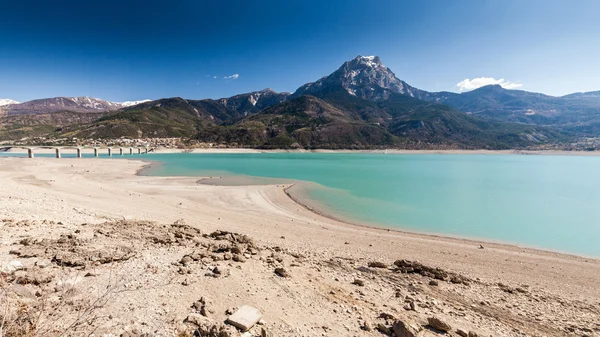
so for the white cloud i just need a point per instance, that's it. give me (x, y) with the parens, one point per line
(232, 77)
(470, 84)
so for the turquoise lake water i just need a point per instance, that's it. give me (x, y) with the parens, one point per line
(550, 202)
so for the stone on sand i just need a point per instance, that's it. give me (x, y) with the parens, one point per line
(245, 318)
(438, 324)
(12, 266)
(197, 319)
(282, 272)
(406, 328)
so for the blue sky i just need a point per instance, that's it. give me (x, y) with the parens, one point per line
(128, 50)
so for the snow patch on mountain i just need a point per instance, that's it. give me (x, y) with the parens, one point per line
(254, 98)
(370, 61)
(7, 101)
(132, 103)
(94, 103)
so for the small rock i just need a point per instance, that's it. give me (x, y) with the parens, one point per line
(220, 271)
(197, 319)
(406, 328)
(462, 333)
(245, 318)
(473, 334)
(216, 330)
(384, 329)
(433, 283)
(239, 258)
(456, 279)
(377, 264)
(21, 291)
(438, 324)
(282, 272)
(12, 266)
(367, 326)
(358, 282)
(42, 263)
(265, 333)
(387, 316)
(186, 260)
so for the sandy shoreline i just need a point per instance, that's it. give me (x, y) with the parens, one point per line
(91, 191)
(393, 151)
(380, 151)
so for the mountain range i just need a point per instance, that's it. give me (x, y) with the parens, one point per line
(363, 104)
(74, 104)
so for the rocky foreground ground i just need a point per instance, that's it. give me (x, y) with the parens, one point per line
(141, 278)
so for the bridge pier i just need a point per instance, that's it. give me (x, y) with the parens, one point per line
(120, 151)
(109, 152)
(145, 150)
(30, 153)
(130, 151)
(95, 152)
(78, 152)
(139, 150)
(57, 153)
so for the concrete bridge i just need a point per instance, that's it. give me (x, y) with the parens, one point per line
(58, 150)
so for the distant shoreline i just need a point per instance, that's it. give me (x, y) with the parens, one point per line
(378, 151)
(389, 151)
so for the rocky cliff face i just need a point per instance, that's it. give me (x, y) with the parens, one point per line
(254, 101)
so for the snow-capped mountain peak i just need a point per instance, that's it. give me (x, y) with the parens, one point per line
(100, 104)
(94, 103)
(365, 77)
(7, 101)
(369, 61)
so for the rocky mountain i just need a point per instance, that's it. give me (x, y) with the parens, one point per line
(72, 104)
(589, 94)
(364, 77)
(168, 117)
(496, 103)
(302, 122)
(7, 101)
(253, 102)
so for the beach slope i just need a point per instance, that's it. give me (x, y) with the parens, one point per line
(140, 254)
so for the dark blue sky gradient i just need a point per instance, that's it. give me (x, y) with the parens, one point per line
(126, 50)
